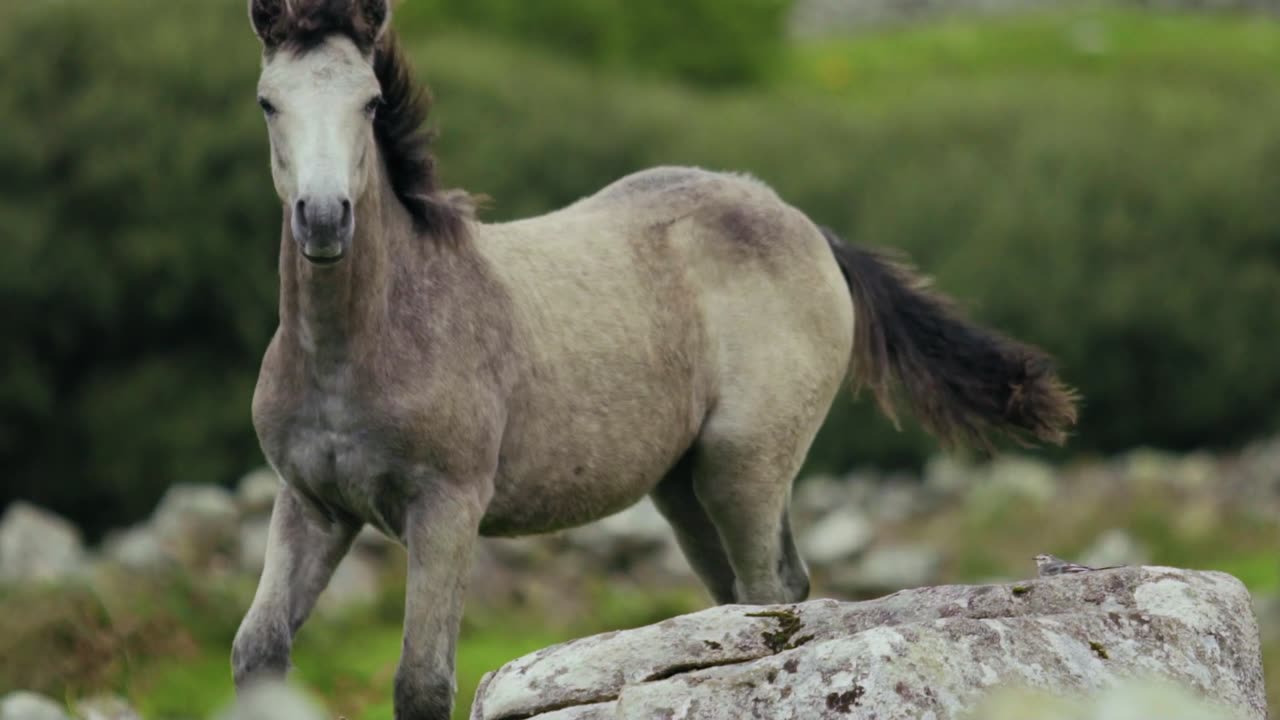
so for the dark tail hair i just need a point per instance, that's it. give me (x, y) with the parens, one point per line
(963, 381)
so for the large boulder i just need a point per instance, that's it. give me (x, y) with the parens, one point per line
(35, 544)
(929, 652)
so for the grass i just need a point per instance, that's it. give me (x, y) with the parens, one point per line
(164, 642)
(1145, 46)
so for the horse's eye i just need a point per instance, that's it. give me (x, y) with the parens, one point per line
(371, 108)
(266, 106)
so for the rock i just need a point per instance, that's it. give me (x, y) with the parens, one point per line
(1114, 547)
(1128, 700)
(889, 568)
(137, 548)
(257, 491)
(273, 701)
(356, 581)
(946, 477)
(197, 525)
(929, 652)
(254, 532)
(840, 535)
(623, 539)
(23, 705)
(1024, 478)
(817, 495)
(106, 707)
(36, 544)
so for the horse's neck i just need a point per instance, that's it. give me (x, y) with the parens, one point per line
(332, 313)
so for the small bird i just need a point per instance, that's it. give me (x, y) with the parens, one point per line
(1050, 565)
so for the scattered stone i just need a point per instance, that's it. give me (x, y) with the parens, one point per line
(841, 535)
(197, 524)
(106, 707)
(1016, 477)
(274, 701)
(889, 568)
(24, 705)
(37, 545)
(1114, 547)
(946, 476)
(138, 549)
(817, 495)
(257, 491)
(928, 652)
(624, 539)
(355, 582)
(254, 532)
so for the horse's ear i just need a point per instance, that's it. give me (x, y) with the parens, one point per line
(376, 15)
(266, 17)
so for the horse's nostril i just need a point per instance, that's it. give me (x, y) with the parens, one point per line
(346, 213)
(300, 212)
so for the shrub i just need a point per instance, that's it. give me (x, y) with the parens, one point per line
(1129, 226)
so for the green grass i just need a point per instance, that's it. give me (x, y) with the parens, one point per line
(1144, 46)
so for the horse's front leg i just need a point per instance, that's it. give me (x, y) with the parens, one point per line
(303, 548)
(441, 527)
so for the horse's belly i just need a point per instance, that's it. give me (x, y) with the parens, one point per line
(581, 472)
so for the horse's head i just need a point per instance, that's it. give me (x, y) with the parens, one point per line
(320, 95)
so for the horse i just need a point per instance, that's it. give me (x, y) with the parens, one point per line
(679, 334)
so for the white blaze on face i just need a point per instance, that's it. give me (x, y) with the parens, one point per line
(319, 120)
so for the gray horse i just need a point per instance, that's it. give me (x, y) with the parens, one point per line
(680, 334)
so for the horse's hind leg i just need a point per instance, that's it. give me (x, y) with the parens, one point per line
(696, 534)
(302, 551)
(744, 488)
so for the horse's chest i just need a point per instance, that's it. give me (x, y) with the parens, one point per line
(336, 451)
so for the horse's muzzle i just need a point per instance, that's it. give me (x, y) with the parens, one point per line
(323, 228)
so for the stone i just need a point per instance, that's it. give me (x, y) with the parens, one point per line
(138, 549)
(620, 541)
(946, 476)
(257, 491)
(888, 568)
(1020, 478)
(273, 701)
(24, 705)
(1127, 700)
(355, 582)
(106, 707)
(1114, 547)
(37, 545)
(931, 652)
(197, 525)
(817, 495)
(254, 532)
(839, 536)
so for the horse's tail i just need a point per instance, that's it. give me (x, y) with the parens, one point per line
(963, 381)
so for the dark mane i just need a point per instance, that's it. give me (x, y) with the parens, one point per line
(406, 147)
(399, 125)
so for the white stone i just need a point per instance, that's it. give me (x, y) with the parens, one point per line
(1114, 547)
(355, 582)
(257, 491)
(137, 548)
(106, 707)
(36, 544)
(274, 701)
(889, 568)
(926, 653)
(839, 536)
(197, 523)
(254, 532)
(23, 705)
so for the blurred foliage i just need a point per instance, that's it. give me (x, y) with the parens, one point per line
(1111, 197)
(705, 42)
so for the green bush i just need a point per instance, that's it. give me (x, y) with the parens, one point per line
(1126, 221)
(706, 42)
